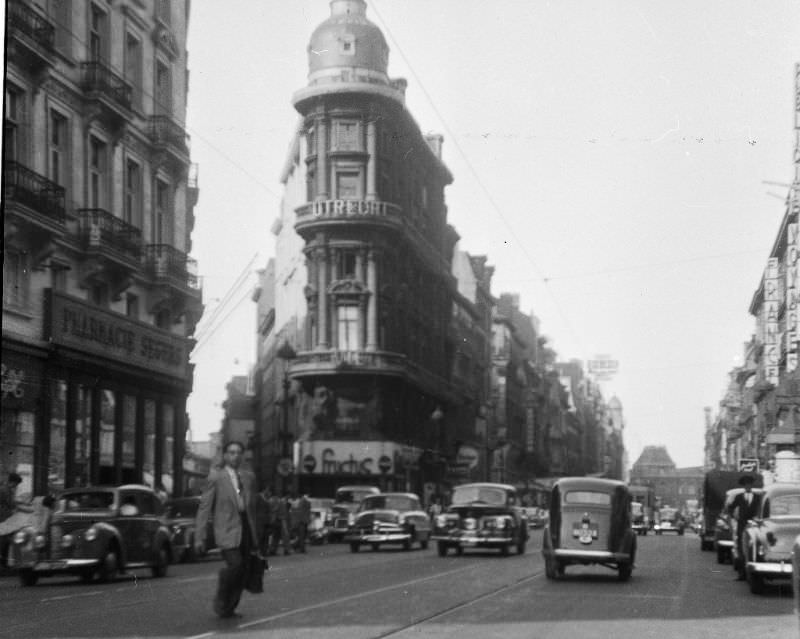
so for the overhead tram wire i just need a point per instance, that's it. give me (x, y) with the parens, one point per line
(229, 294)
(207, 337)
(480, 183)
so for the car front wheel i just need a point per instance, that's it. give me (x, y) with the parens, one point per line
(624, 571)
(109, 566)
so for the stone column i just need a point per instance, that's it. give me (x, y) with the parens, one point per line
(322, 159)
(322, 299)
(372, 160)
(372, 303)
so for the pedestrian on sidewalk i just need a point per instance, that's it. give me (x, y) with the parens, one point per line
(8, 505)
(280, 533)
(229, 501)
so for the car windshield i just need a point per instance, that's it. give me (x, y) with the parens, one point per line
(88, 500)
(352, 496)
(668, 513)
(188, 508)
(479, 494)
(636, 508)
(389, 502)
(785, 506)
(594, 497)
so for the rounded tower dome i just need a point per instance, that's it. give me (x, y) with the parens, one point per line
(348, 47)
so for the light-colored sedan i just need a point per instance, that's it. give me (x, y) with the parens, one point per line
(389, 518)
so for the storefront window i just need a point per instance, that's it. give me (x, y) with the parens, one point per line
(56, 470)
(129, 432)
(83, 440)
(148, 466)
(16, 445)
(168, 422)
(107, 412)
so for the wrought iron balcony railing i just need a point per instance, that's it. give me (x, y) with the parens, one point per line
(21, 17)
(164, 130)
(22, 185)
(166, 263)
(98, 77)
(100, 229)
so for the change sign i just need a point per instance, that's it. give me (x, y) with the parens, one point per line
(748, 465)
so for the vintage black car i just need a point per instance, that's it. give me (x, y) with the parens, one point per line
(768, 538)
(389, 518)
(180, 518)
(344, 507)
(96, 532)
(590, 523)
(482, 515)
(669, 520)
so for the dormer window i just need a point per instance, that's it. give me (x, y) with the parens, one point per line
(347, 45)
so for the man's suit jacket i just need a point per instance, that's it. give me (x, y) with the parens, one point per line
(220, 502)
(745, 511)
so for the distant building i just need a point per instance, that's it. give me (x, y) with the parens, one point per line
(673, 486)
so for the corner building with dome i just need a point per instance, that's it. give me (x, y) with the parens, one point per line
(373, 360)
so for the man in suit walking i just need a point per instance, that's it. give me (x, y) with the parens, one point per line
(229, 499)
(744, 507)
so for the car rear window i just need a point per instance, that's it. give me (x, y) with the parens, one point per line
(89, 500)
(587, 497)
(785, 506)
(479, 494)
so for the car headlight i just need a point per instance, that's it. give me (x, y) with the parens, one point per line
(760, 550)
(39, 541)
(20, 537)
(441, 521)
(470, 523)
(351, 519)
(67, 541)
(91, 534)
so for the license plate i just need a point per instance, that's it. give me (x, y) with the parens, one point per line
(51, 565)
(585, 533)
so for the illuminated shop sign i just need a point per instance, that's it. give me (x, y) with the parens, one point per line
(87, 328)
(325, 457)
(791, 269)
(344, 208)
(772, 336)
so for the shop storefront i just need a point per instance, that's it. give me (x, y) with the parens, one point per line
(105, 405)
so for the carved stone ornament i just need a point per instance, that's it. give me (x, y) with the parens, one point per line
(166, 40)
(347, 287)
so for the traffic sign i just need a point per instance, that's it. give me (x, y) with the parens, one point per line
(309, 463)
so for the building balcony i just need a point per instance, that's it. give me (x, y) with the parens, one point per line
(176, 283)
(35, 211)
(109, 93)
(357, 362)
(104, 235)
(312, 216)
(31, 37)
(170, 139)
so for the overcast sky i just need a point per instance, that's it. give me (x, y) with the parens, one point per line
(612, 159)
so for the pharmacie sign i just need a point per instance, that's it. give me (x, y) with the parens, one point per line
(84, 327)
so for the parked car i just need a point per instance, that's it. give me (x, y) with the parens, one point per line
(482, 515)
(768, 539)
(669, 520)
(639, 519)
(725, 527)
(344, 507)
(389, 518)
(96, 531)
(590, 523)
(181, 513)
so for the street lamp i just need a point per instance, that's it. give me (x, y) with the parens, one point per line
(285, 466)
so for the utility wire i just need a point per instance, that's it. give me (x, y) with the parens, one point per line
(208, 337)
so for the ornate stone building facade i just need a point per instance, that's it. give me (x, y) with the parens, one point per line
(100, 297)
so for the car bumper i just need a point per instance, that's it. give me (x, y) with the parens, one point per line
(591, 556)
(474, 541)
(57, 565)
(770, 569)
(378, 538)
(724, 543)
